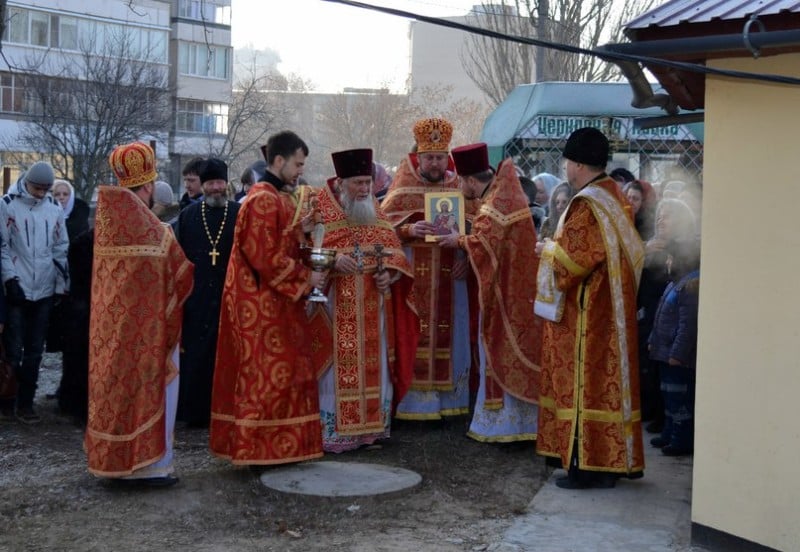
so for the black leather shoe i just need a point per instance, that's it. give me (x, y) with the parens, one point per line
(166, 481)
(588, 481)
(604, 481)
(567, 483)
(659, 442)
(654, 427)
(670, 450)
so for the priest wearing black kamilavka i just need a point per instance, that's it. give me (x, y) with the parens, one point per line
(205, 231)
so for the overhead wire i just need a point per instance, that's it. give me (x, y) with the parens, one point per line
(604, 54)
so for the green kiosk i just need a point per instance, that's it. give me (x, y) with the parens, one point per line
(532, 124)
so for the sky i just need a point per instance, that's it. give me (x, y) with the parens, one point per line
(336, 45)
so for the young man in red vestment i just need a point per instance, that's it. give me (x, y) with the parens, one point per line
(140, 281)
(501, 249)
(265, 403)
(374, 321)
(440, 386)
(589, 414)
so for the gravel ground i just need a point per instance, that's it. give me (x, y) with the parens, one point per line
(470, 493)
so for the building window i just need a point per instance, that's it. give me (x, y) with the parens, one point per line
(205, 10)
(202, 117)
(202, 60)
(77, 34)
(17, 26)
(40, 29)
(10, 97)
(158, 45)
(19, 95)
(68, 33)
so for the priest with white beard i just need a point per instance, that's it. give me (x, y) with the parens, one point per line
(371, 310)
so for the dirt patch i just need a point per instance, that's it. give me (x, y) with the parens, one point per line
(470, 492)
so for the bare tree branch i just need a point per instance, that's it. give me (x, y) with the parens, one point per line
(383, 121)
(497, 66)
(82, 106)
(254, 113)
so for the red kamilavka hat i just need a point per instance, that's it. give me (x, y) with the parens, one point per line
(471, 159)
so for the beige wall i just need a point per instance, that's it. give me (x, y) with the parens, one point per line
(747, 450)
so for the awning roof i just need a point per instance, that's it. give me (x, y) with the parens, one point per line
(588, 99)
(677, 12)
(677, 23)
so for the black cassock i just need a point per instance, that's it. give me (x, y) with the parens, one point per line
(201, 311)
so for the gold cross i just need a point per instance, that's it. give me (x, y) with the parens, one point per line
(422, 269)
(213, 254)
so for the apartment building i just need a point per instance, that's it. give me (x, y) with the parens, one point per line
(187, 41)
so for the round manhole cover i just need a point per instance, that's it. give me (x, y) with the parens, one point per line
(340, 479)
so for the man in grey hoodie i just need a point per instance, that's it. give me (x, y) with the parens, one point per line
(34, 271)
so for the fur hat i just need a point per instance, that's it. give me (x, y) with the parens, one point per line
(133, 164)
(587, 145)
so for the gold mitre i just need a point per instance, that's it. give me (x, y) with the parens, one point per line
(433, 135)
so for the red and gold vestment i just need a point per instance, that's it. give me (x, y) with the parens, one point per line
(433, 284)
(356, 323)
(265, 406)
(590, 376)
(501, 247)
(140, 281)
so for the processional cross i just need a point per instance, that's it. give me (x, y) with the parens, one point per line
(379, 254)
(358, 255)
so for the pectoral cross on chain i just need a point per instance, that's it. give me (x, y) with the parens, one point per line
(358, 255)
(213, 254)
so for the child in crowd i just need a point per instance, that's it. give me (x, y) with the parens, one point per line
(673, 346)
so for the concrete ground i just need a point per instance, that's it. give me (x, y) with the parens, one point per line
(652, 514)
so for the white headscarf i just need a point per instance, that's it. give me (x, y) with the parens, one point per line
(71, 201)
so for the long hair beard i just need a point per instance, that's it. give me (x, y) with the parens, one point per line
(361, 211)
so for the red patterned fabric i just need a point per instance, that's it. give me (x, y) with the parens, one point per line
(265, 404)
(501, 248)
(582, 387)
(356, 326)
(140, 280)
(433, 283)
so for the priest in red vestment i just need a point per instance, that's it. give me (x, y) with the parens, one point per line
(501, 247)
(140, 281)
(589, 414)
(264, 403)
(440, 386)
(373, 318)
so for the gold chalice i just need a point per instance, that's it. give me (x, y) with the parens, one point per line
(318, 259)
